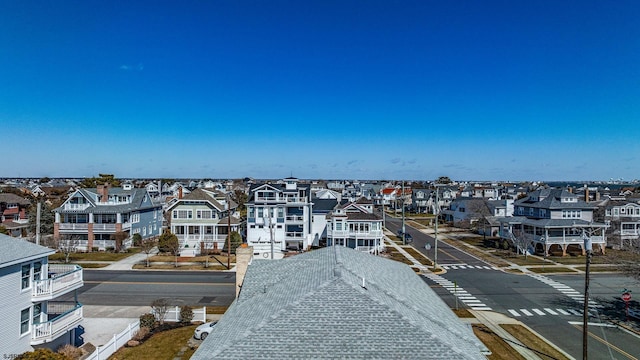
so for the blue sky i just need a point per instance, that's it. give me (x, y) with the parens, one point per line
(473, 90)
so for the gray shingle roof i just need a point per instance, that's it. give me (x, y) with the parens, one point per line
(313, 306)
(13, 250)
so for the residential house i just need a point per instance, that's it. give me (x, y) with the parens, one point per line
(623, 218)
(13, 214)
(279, 218)
(421, 200)
(336, 303)
(355, 226)
(201, 220)
(91, 217)
(464, 212)
(328, 194)
(320, 209)
(32, 314)
(553, 220)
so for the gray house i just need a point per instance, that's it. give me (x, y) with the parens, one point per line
(333, 303)
(31, 315)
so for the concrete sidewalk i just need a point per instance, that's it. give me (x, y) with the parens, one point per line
(128, 262)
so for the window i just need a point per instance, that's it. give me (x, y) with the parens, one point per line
(182, 214)
(144, 231)
(37, 310)
(24, 321)
(338, 226)
(203, 214)
(260, 212)
(135, 217)
(251, 212)
(26, 276)
(37, 271)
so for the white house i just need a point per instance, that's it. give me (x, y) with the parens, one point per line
(279, 217)
(355, 226)
(201, 221)
(32, 317)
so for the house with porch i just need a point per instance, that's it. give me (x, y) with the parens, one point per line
(201, 220)
(355, 226)
(553, 220)
(623, 218)
(32, 314)
(13, 214)
(91, 217)
(279, 218)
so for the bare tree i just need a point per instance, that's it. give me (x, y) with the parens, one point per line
(147, 246)
(67, 245)
(119, 238)
(159, 308)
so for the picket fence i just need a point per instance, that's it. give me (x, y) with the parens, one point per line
(119, 340)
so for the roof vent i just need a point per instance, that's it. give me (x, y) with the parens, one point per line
(364, 284)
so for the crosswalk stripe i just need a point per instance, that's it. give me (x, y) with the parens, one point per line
(574, 312)
(561, 311)
(482, 308)
(526, 312)
(538, 311)
(514, 313)
(470, 301)
(550, 311)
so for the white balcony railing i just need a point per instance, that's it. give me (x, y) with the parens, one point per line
(294, 234)
(73, 226)
(76, 207)
(295, 218)
(69, 316)
(104, 227)
(61, 280)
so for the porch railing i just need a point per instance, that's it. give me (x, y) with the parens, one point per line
(61, 279)
(69, 316)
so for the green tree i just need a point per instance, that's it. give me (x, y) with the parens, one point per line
(236, 240)
(240, 197)
(3, 230)
(443, 180)
(102, 179)
(47, 219)
(137, 239)
(168, 243)
(44, 180)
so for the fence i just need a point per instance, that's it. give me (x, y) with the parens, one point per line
(119, 340)
(173, 314)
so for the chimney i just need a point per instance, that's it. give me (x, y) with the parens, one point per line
(244, 255)
(180, 192)
(597, 195)
(103, 192)
(586, 194)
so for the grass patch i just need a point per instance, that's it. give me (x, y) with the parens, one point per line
(160, 346)
(394, 254)
(533, 342)
(500, 350)
(93, 265)
(422, 259)
(217, 309)
(597, 268)
(94, 256)
(551, 269)
(183, 266)
(463, 313)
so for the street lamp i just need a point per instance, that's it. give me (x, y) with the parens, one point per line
(585, 315)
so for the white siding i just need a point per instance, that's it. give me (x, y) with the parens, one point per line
(12, 302)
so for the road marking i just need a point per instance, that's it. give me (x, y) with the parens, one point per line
(575, 312)
(550, 311)
(470, 301)
(561, 311)
(526, 312)
(608, 344)
(539, 312)
(482, 308)
(514, 313)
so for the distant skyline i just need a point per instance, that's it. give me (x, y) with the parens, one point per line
(472, 90)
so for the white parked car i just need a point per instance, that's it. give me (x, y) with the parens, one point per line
(203, 330)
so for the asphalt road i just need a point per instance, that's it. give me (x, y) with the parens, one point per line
(542, 304)
(140, 288)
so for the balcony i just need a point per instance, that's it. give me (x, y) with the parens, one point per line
(295, 218)
(62, 279)
(64, 316)
(104, 227)
(74, 226)
(294, 235)
(267, 199)
(76, 207)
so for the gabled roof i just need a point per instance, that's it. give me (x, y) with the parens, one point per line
(333, 303)
(551, 199)
(11, 198)
(137, 200)
(16, 250)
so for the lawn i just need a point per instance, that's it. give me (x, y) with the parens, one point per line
(164, 345)
(500, 350)
(94, 256)
(539, 346)
(418, 255)
(551, 270)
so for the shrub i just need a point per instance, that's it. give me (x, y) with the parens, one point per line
(142, 333)
(186, 315)
(147, 320)
(95, 248)
(137, 239)
(160, 308)
(70, 351)
(39, 354)
(133, 343)
(110, 249)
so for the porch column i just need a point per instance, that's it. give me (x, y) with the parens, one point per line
(564, 249)
(90, 235)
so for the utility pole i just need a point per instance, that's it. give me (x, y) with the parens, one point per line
(39, 209)
(269, 214)
(435, 245)
(404, 241)
(228, 231)
(585, 310)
